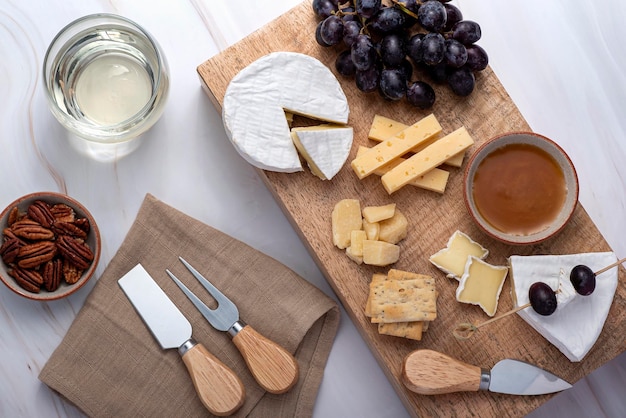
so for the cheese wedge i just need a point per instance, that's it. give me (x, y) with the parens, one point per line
(481, 284)
(383, 128)
(435, 180)
(425, 160)
(396, 146)
(257, 98)
(325, 148)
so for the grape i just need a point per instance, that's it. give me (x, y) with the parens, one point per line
(542, 298)
(318, 35)
(432, 16)
(583, 279)
(466, 31)
(455, 53)
(344, 64)
(331, 30)
(388, 19)
(351, 30)
(433, 48)
(420, 95)
(477, 59)
(363, 52)
(367, 8)
(348, 14)
(413, 48)
(462, 81)
(324, 8)
(438, 72)
(392, 50)
(392, 83)
(453, 15)
(367, 80)
(407, 69)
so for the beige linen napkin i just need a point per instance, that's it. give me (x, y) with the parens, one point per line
(109, 365)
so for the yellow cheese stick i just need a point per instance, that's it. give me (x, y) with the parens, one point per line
(435, 180)
(383, 128)
(397, 146)
(427, 159)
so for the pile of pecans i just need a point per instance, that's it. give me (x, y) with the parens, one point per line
(46, 245)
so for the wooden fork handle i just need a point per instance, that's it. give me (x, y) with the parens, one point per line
(273, 367)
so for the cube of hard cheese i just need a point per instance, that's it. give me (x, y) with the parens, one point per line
(395, 147)
(378, 213)
(356, 242)
(346, 217)
(427, 159)
(394, 229)
(380, 253)
(372, 230)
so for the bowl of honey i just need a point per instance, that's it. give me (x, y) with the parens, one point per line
(520, 188)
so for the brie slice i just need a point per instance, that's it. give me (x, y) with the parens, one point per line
(578, 321)
(257, 98)
(325, 149)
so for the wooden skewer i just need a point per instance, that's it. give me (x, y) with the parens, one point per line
(617, 263)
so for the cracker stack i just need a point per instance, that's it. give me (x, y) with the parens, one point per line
(402, 303)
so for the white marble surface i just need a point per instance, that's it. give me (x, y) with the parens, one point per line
(562, 65)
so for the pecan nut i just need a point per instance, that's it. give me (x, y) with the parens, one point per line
(68, 228)
(29, 280)
(39, 212)
(14, 216)
(75, 250)
(71, 273)
(52, 272)
(31, 256)
(83, 223)
(31, 230)
(63, 212)
(9, 249)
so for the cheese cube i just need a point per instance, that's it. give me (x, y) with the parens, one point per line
(452, 259)
(346, 217)
(395, 147)
(394, 229)
(435, 180)
(356, 242)
(481, 284)
(372, 230)
(378, 213)
(380, 253)
(425, 160)
(354, 257)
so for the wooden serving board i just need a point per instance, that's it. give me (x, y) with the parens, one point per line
(308, 202)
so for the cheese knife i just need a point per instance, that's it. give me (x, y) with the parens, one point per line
(218, 387)
(273, 367)
(429, 372)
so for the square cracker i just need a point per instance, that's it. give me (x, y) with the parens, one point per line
(405, 300)
(410, 330)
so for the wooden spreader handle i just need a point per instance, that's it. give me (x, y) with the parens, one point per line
(273, 367)
(218, 387)
(429, 372)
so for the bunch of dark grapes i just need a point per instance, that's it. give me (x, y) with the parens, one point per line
(381, 45)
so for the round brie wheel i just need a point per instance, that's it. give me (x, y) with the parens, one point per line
(257, 98)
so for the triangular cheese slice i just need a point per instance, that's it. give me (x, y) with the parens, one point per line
(325, 148)
(575, 327)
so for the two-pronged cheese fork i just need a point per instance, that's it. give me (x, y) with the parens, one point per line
(273, 367)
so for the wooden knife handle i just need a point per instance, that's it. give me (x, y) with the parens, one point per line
(429, 372)
(273, 367)
(218, 387)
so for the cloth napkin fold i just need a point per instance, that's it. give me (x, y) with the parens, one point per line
(109, 365)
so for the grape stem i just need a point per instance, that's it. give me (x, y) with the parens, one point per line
(402, 7)
(617, 263)
(464, 331)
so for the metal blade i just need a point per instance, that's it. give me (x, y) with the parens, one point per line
(519, 378)
(168, 325)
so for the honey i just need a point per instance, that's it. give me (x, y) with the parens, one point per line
(519, 189)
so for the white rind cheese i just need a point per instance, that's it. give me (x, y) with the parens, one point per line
(578, 321)
(257, 98)
(325, 150)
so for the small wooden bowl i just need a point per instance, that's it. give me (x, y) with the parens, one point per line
(93, 241)
(564, 165)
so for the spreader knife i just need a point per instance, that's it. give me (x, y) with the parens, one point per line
(218, 387)
(429, 372)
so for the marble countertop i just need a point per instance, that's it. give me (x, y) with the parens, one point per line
(562, 66)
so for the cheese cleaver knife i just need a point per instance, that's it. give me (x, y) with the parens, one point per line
(218, 387)
(429, 372)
